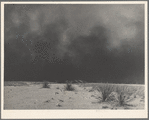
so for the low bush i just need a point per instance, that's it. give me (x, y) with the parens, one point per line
(106, 90)
(140, 91)
(124, 93)
(69, 86)
(46, 85)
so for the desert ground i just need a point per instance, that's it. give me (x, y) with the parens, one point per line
(41, 95)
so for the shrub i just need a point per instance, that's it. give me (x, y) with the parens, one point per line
(124, 93)
(69, 86)
(140, 91)
(119, 93)
(106, 90)
(122, 99)
(45, 85)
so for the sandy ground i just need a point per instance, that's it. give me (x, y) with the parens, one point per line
(33, 96)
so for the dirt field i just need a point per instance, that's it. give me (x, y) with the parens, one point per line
(32, 95)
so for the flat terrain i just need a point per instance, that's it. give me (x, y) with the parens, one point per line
(32, 95)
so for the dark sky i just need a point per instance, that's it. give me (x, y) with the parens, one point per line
(95, 43)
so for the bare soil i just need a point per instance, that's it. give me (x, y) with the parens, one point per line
(32, 95)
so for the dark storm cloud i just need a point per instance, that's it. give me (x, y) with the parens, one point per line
(90, 42)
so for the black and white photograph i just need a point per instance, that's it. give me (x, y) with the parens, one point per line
(74, 56)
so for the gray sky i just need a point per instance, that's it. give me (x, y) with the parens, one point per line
(78, 30)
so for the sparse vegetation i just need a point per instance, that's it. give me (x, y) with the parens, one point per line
(69, 86)
(105, 95)
(106, 90)
(124, 93)
(46, 85)
(122, 99)
(15, 83)
(140, 91)
(121, 94)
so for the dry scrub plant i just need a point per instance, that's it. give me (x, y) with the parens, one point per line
(69, 86)
(106, 90)
(140, 91)
(46, 85)
(124, 93)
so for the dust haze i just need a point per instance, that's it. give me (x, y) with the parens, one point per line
(58, 42)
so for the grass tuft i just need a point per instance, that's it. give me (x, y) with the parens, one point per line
(124, 93)
(140, 91)
(69, 86)
(46, 85)
(106, 90)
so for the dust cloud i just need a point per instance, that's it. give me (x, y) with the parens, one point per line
(58, 42)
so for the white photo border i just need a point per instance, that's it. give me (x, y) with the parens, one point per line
(73, 114)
